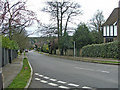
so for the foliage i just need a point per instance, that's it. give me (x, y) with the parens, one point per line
(105, 50)
(45, 48)
(82, 36)
(95, 37)
(21, 39)
(10, 44)
(65, 43)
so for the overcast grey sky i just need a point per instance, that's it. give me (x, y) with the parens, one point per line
(89, 8)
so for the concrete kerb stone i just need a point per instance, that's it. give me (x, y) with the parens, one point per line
(30, 79)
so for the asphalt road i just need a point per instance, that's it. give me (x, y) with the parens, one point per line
(51, 72)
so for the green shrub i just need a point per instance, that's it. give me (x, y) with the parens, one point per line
(105, 50)
(10, 44)
(45, 48)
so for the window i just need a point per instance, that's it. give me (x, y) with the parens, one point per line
(104, 31)
(115, 30)
(108, 31)
(111, 30)
(109, 40)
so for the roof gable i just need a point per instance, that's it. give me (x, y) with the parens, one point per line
(112, 18)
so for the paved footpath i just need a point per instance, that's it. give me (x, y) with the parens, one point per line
(10, 71)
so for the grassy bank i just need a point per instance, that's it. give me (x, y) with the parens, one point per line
(22, 78)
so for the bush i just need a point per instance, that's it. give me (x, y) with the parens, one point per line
(10, 44)
(45, 48)
(105, 50)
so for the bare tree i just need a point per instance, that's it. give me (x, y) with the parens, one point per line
(15, 16)
(62, 13)
(96, 23)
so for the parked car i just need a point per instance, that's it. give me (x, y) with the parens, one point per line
(1, 80)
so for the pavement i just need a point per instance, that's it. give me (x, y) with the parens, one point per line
(10, 71)
(52, 72)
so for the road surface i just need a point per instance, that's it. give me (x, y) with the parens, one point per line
(51, 72)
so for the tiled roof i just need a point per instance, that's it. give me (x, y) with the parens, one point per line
(112, 18)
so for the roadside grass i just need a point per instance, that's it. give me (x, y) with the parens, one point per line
(22, 78)
(85, 59)
(107, 62)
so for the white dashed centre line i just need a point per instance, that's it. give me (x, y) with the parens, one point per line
(61, 82)
(46, 77)
(37, 79)
(53, 80)
(85, 87)
(71, 84)
(105, 71)
(92, 70)
(36, 73)
(52, 84)
(64, 87)
(40, 75)
(43, 81)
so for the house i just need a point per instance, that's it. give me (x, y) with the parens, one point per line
(111, 28)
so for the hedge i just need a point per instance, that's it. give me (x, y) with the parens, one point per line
(7, 43)
(105, 50)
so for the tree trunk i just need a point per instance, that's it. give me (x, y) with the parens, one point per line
(65, 52)
(55, 51)
(61, 52)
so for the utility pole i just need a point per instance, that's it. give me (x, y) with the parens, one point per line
(74, 48)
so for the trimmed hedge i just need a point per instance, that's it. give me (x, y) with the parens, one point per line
(10, 44)
(105, 50)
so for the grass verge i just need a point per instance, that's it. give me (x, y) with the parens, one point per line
(86, 60)
(22, 78)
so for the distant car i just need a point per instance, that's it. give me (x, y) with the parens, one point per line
(26, 50)
(1, 80)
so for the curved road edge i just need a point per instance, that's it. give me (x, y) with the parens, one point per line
(30, 79)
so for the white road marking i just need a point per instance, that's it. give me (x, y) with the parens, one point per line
(43, 81)
(61, 82)
(85, 87)
(105, 71)
(37, 79)
(36, 73)
(52, 84)
(63, 87)
(53, 79)
(92, 70)
(40, 75)
(71, 84)
(46, 77)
